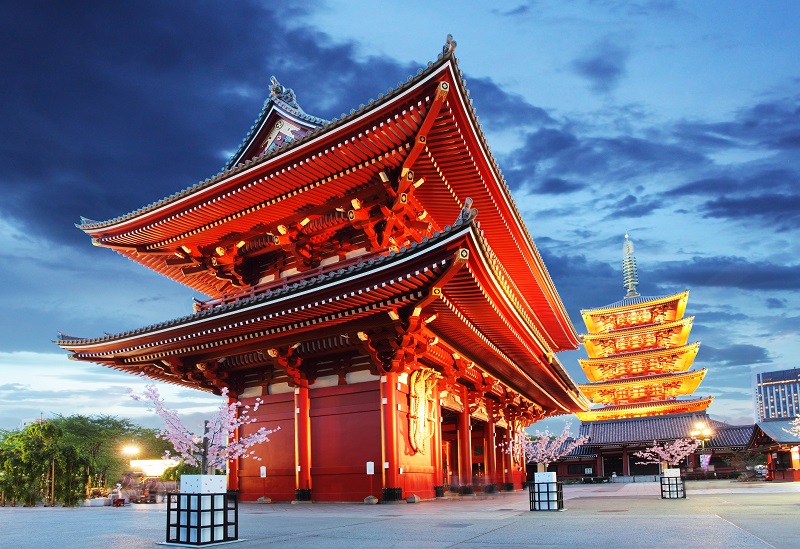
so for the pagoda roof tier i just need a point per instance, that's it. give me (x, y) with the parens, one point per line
(447, 286)
(650, 361)
(671, 385)
(641, 409)
(390, 173)
(635, 311)
(639, 302)
(666, 335)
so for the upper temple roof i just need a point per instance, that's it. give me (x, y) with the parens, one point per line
(425, 127)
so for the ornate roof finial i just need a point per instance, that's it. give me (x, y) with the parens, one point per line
(284, 94)
(630, 277)
(468, 213)
(450, 45)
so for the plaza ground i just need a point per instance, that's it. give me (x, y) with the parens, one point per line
(723, 514)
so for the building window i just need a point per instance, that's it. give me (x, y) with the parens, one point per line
(578, 469)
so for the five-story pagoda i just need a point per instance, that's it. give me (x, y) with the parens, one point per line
(639, 358)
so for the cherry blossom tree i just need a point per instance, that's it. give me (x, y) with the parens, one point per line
(544, 447)
(671, 452)
(218, 443)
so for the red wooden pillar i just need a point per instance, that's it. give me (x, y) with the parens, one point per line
(392, 490)
(465, 446)
(233, 464)
(598, 472)
(626, 470)
(302, 444)
(508, 460)
(489, 448)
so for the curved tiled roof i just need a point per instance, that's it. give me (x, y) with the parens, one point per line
(633, 301)
(646, 380)
(657, 408)
(730, 436)
(332, 275)
(777, 430)
(661, 428)
(89, 224)
(139, 235)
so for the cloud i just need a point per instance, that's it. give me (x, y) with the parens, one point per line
(87, 389)
(768, 194)
(780, 211)
(106, 143)
(582, 283)
(556, 185)
(562, 153)
(741, 354)
(772, 124)
(603, 66)
(499, 109)
(728, 272)
(775, 303)
(632, 206)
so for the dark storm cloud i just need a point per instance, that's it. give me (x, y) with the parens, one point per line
(768, 179)
(556, 185)
(121, 104)
(769, 196)
(603, 66)
(720, 318)
(775, 303)
(563, 154)
(632, 206)
(733, 355)
(728, 272)
(780, 211)
(582, 283)
(499, 109)
(770, 125)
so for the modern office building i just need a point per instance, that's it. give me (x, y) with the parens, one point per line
(777, 394)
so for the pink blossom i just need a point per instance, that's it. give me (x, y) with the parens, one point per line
(543, 447)
(220, 431)
(671, 452)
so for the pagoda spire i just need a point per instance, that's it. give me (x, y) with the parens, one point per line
(630, 276)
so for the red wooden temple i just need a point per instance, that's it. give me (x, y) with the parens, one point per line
(354, 288)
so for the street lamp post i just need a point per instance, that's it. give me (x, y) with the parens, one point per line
(702, 433)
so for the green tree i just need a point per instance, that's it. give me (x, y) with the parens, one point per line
(182, 468)
(102, 438)
(55, 460)
(15, 483)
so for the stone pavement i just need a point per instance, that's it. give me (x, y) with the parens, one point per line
(720, 514)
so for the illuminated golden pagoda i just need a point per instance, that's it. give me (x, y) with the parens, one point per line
(639, 358)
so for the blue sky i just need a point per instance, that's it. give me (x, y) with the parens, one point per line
(674, 121)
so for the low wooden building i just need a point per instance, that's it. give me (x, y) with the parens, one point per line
(782, 448)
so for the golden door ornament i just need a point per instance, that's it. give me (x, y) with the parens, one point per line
(422, 408)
